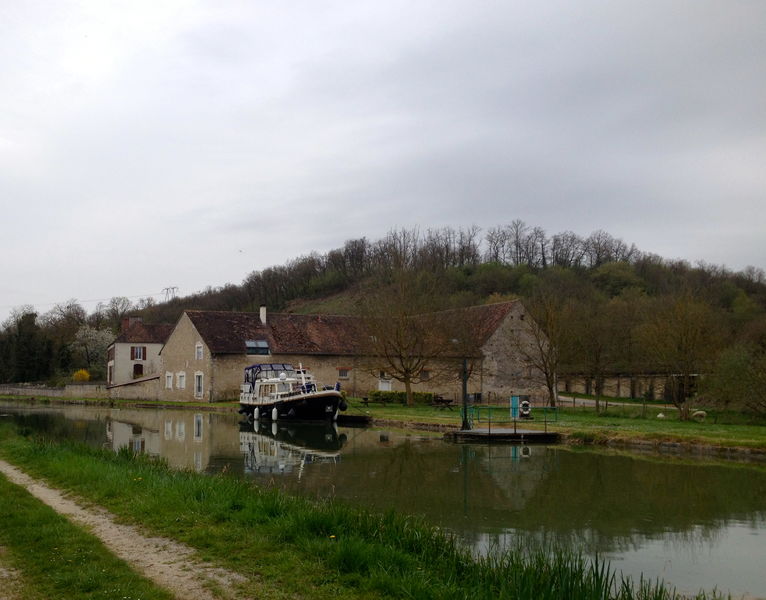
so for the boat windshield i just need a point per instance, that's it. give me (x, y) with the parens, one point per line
(268, 371)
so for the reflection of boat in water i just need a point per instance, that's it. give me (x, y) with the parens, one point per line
(271, 447)
(278, 391)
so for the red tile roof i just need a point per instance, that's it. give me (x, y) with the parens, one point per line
(227, 332)
(145, 333)
(485, 319)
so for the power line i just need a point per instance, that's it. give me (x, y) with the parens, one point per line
(42, 304)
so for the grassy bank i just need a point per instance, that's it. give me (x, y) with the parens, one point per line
(620, 423)
(52, 558)
(122, 402)
(297, 548)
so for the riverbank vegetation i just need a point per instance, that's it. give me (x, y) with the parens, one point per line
(298, 547)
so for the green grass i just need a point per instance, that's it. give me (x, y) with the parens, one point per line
(55, 559)
(296, 547)
(624, 423)
(229, 405)
(583, 424)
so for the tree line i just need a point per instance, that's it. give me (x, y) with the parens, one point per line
(605, 306)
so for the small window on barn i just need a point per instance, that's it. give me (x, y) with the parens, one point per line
(425, 375)
(257, 347)
(343, 372)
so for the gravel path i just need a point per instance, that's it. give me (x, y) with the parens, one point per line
(167, 563)
(9, 580)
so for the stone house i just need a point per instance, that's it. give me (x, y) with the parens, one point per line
(135, 354)
(205, 354)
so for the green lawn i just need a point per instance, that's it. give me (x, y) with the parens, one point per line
(619, 422)
(52, 558)
(228, 406)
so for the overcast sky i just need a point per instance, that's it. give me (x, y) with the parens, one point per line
(147, 144)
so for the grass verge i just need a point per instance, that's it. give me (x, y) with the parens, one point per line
(620, 423)
(295, 547)
(52, 558)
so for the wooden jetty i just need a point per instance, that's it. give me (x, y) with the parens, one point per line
(504, 435)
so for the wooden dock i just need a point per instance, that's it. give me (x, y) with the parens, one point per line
(503, 435)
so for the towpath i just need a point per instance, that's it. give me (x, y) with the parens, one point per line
(167, 563)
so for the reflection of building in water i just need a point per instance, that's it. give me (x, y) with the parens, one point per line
(276, 448)
(186, 440)
(133, 436)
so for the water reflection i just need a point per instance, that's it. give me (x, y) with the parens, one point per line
(277, 448)
(696, 524)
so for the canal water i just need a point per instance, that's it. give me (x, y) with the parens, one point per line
(695, 524)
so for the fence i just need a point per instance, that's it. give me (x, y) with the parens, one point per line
(500, 415)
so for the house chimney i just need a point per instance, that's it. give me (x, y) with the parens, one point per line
(263, 314)
(128, 322)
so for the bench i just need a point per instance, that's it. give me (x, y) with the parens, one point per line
(441, 402)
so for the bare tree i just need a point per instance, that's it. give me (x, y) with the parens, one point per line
(548, 335)
(681, 337)
(402, 334)
(116, 310)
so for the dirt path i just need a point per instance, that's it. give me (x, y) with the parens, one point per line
(10, 589)
(167, 563)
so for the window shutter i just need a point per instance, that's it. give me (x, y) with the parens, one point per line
(143, 355)
(132, 353)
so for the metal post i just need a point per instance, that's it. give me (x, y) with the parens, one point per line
(466, 425)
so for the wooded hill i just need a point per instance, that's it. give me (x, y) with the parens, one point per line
(607, 306)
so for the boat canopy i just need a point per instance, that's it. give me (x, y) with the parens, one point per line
(266, 371)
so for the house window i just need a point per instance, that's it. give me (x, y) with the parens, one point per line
(257, 347)
(138, 353)
(138, 370)
(198, 351)
(425, 375)
(168, 381)
(343, 372)
(198, 385)
(181, 380)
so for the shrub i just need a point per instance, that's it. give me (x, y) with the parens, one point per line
(81, 375)
(400, 397)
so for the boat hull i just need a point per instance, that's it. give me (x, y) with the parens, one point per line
(321, 406)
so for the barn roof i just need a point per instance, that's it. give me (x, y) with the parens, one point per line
(226, 332)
